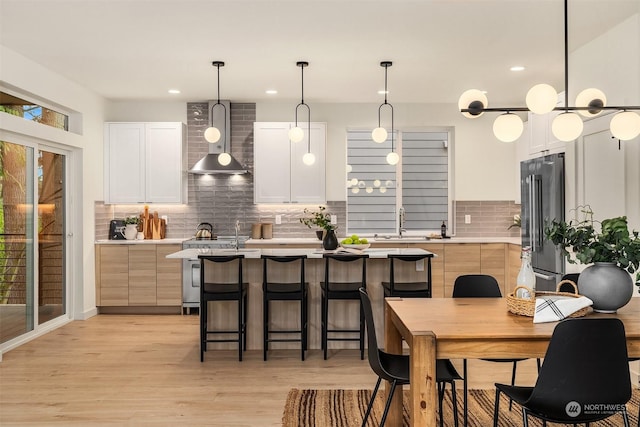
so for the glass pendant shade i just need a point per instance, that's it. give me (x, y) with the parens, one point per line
(379, 135)
(625, 125)
(508, 127)
(567, 126)
(541, 98)
(296, 134)
(393, 158)
(591, 98)
(224, 159)
(470, 99)
(212, 134)
(308, 159)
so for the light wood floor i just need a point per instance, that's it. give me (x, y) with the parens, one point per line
(145, 370)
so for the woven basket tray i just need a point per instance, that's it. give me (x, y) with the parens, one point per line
(527, 307)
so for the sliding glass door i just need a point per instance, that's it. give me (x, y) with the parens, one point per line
(32, 238)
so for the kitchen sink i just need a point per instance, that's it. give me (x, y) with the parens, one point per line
(396, 237)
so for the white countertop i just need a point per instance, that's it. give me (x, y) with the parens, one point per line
(409, 239)
(192, 254)
(141, 242)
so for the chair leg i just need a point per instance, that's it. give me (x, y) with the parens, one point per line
(625, 417)
(513, 380)
(265, 327)
(388, 404)
(302, 327)
(244, 329)
(370, 405)
(496, 408)
(525, 418)
(441, 387)
(538, 364)
(240, 317)
(465, 414)
(361, 331)
(325, 315)
(454, 402)
(203, 330)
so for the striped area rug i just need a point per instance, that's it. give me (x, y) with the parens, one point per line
(346, 408)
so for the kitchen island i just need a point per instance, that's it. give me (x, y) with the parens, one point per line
(285, 315)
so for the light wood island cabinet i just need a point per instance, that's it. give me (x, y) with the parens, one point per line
(138, 275)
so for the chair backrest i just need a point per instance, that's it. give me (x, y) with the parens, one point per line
(345, 258)
(409, 258)
(284, 259)
(586, 362)
(220, 259)
(476, 286)
(373, 352)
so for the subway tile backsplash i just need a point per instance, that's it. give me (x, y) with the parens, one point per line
(221, 199)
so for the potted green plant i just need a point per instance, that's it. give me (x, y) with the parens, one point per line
(613, 250)
(322, 219)
(131, 227)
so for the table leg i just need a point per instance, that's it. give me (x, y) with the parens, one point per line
(423, 381)
(393, 344)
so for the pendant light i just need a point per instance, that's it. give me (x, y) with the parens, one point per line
(213, 134)
(296, 134)
(217, 163)
(542, 99)
(380, 134)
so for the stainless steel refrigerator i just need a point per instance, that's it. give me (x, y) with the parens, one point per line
(542, 190)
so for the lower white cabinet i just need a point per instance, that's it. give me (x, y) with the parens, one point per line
(145, 163)
(280, 175)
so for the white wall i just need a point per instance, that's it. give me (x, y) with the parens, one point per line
(483, 165)
(146, 111)
(22, 74)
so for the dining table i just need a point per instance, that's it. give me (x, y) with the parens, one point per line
(468, 328)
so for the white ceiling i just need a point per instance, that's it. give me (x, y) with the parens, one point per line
(138, 49)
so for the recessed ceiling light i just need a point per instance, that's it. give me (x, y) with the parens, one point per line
(517, 68)
(174, 91)
(271, 91)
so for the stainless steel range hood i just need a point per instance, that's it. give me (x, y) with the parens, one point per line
(209, 163)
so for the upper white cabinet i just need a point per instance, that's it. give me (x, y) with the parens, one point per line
(280, 176)
(541, 140)
(145, 163)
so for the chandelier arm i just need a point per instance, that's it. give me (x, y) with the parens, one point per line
(525, 109)
(566, 56)
(391, 126)
(222, 134)
(308, 124)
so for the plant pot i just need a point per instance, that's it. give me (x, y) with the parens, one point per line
(131, 231)
(330, 241)
(607, 285)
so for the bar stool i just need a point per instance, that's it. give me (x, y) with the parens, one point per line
(341, 290)
(285, 291)
(222, 291)
(392, 288)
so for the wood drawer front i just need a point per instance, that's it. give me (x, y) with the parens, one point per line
(142, 275)
(169, 276)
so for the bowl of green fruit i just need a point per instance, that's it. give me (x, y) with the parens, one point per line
(355, 242)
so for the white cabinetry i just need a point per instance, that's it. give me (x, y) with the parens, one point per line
(144, 163)
(280, 176)
(542, 141)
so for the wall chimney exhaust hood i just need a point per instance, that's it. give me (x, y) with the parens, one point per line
(209, 163)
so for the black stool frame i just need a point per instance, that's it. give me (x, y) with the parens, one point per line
(278, 291)
(213, 291)
(408, 289)
(342, 291)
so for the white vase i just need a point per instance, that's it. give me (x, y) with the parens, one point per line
(607, 285)
(130, 231)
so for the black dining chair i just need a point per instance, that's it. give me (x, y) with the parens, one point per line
(585, 363)
(222, 291)
(280, 290)
(481, 286)
(395, 368)
(416, 289)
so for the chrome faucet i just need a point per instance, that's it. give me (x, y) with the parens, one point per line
(402, 220)
(237, 232)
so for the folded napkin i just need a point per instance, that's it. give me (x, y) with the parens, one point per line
(553, 308)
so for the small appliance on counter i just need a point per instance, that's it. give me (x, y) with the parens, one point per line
(204, 231)
(116, 229)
